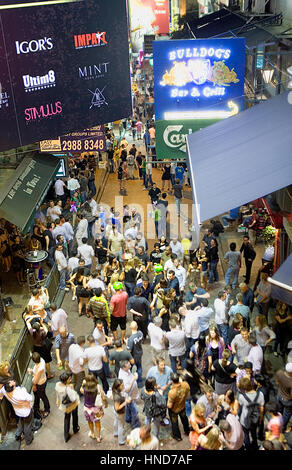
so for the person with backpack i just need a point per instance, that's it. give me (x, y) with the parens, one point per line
(98, 309)
(251, 404)
(154, 405)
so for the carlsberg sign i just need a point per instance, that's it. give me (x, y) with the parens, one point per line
(171, 136)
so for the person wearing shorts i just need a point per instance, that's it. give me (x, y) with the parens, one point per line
(119, 310)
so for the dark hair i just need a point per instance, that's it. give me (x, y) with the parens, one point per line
(36, 357)
(252, 340)
(116, 385)
(268, 445)
(123, 363)
(90, 339)
(35, 291)
(246, 236)
(64, 377)
(150, 384)
(53, 307)
(90, 386)
(232, 246)
(97, 292)
(138, 290)
(220, 294)
(9, 388)
(202, 345)
(118, 343)
(204, 302)
(174, 378)
(84, 240)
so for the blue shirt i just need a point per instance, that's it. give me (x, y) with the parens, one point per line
(234, 213)
(248, 299)
(179, 172)
(161, 379)
(243, 310)
(190, 297)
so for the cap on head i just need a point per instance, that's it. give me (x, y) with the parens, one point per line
(288, 367)
(158, 268)
(118, 285)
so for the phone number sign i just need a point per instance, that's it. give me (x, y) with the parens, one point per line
(89, 140)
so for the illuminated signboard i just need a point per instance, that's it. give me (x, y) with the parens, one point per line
(147, 17)
(89, 140)
(198, 74)
(63, 67)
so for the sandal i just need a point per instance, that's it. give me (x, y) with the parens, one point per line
(91, 435)
(98, 440)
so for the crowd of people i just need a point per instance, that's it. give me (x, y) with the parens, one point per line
(209, 370)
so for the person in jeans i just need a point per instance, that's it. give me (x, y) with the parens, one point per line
(120, 403)
(131, 391)
(246, 396)
(176, 405)
(21, 401)
(62, 266)
(234, 263)
(284, 397)
(94, 356)
(39, 384)
(177, 347)
(64, 388)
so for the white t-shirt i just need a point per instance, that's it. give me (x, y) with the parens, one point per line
(255, 356)
(82, 229)
(156, 335)
(86, 252)
(59, 318)
(176, 340)
(73, 263)
(220, 315)
(40, 369)
(59, 187)
(76, 358)
(135, 439)
(95, 284)
(94, 354)
(192, 327)
(54, 212)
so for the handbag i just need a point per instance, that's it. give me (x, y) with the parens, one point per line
(98, 400)
(66, 399)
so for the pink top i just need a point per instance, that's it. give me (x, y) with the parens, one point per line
(275, 425)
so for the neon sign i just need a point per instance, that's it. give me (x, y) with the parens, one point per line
(198, 73)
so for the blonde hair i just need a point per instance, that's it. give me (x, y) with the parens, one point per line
(213, 438)
(2, 367)
(198, 407)
(129, 265)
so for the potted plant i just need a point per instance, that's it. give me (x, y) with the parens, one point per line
(269, 234)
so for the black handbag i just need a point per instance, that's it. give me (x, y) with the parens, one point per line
(66, 400)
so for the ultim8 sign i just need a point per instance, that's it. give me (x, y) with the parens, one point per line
(197, 74)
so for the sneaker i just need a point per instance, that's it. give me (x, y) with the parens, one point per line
(74, 297)
(66, 289)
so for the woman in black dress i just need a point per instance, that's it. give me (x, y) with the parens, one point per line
(166, 177)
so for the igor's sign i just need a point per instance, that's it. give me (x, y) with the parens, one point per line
(196, 74)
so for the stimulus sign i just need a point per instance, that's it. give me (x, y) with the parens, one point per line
(197, 74)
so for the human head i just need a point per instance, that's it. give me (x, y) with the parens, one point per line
(246, 239)
(244, 333)
(239, 298)
(150, 384)
(99, 324)
(65, 378)
(160, 362)
(36, 357)
(145, 432)
(232, 246)
(90, 339)
(264, 277)
(118, 343)
(63, 331)
(243, 287)
(80, 340)
(245, 384)
(97, 292)
(224, 426)
(221, 295)
(137, 291)
(134, 326)
(118, 386)
(174, 378)
(4, 368)
(125, 365)
(199, 410)
(157, 321)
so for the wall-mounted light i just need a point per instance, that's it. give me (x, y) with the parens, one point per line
(268, 75)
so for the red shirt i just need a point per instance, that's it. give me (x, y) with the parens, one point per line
(119, 304)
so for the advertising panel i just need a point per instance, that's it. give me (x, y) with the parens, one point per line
(171, 136)
(69, 68)
(197, 74)
(147, 17)
(89, 140)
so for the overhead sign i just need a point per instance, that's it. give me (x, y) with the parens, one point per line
(63, 66)
(171, 136)
(147, 17)
(197, 74)
(82, 141)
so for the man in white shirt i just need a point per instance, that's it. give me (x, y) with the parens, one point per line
(93, 204)
(21, 401)
(177, 347)
(191, 327)
(72, 184)
(39, 383)
(95, 356)
(95, 282)
(82, 229)
(58, 230)
(62, 266)
(76, 363)
(58, 319)
(156, 339)
(73, 263)
(169, 265)
(69, 233)
(255, 355)
(180, 273)
(59, 190)
(130, 391)
(53, 211)
(220, 315)
(86, 253)
(177, 248)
